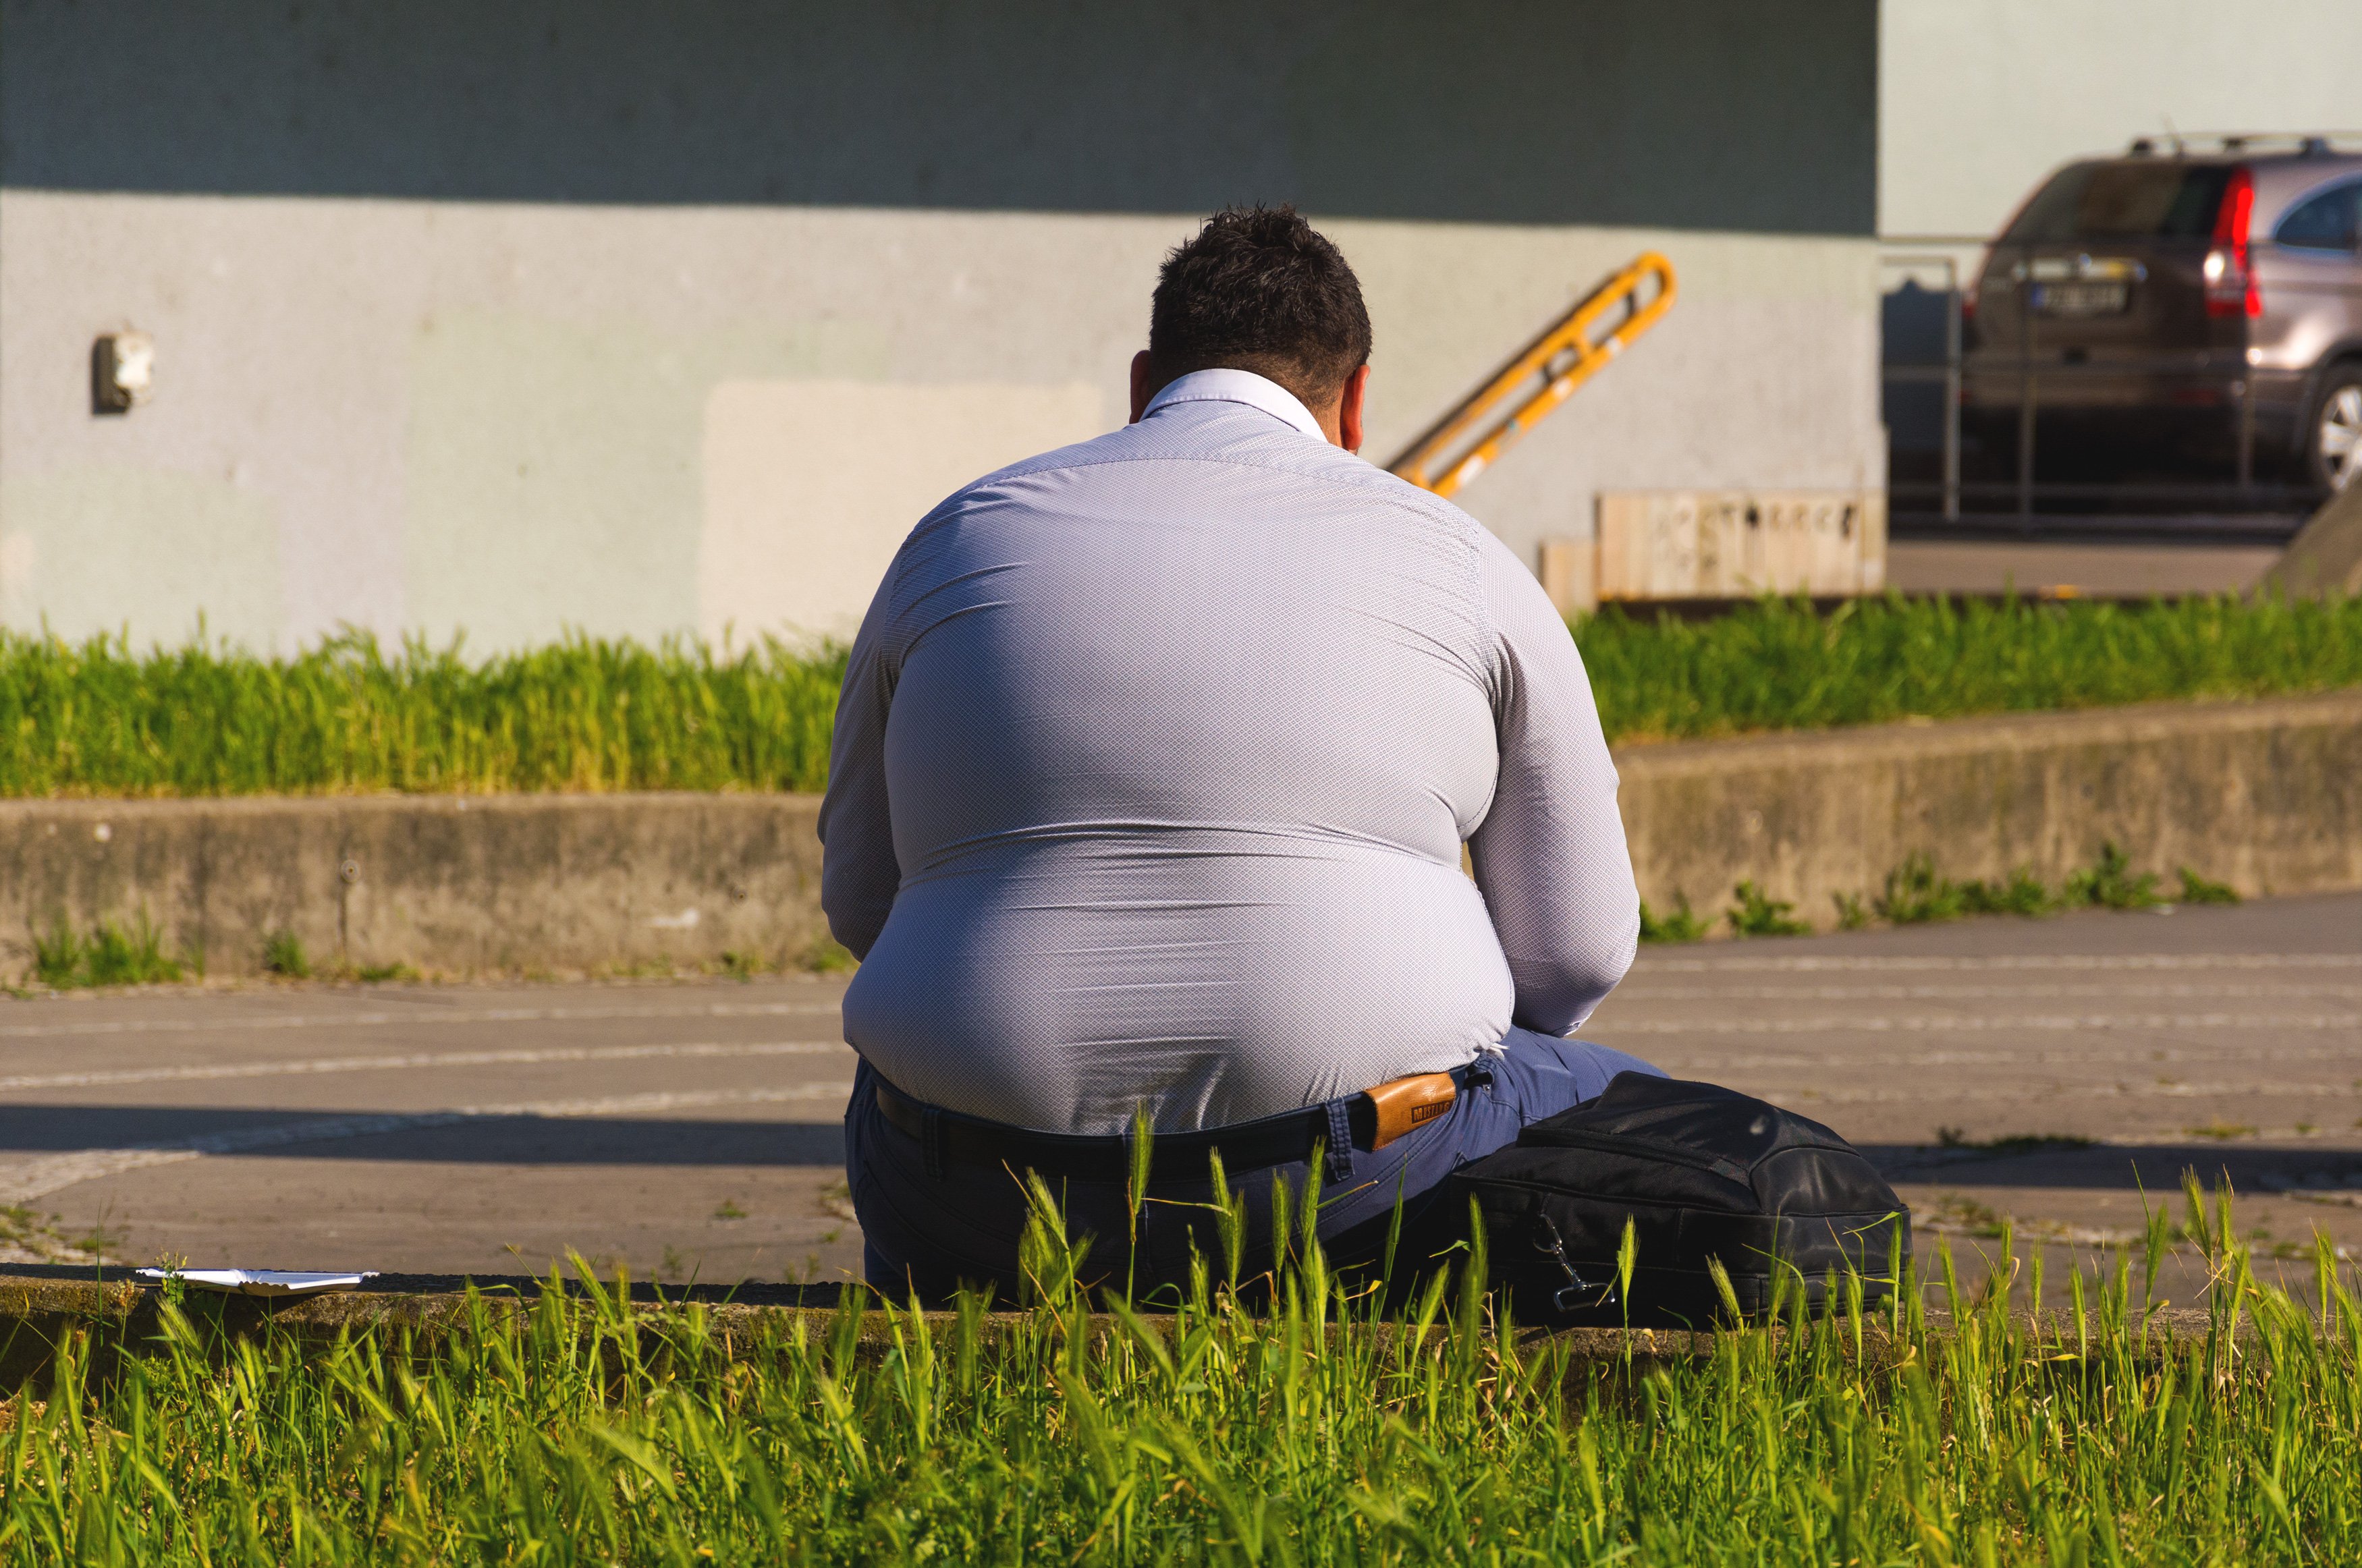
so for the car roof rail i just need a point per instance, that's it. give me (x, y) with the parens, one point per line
(2304, 144)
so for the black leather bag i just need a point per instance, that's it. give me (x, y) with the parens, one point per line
(1701, 1172)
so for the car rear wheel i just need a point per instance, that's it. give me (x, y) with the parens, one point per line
(2333, 441)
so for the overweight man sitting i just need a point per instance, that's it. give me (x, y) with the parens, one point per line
(1152, 771)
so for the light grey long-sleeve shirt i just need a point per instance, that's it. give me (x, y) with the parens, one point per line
(1152, 771)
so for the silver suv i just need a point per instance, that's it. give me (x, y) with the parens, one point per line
(2191, 303)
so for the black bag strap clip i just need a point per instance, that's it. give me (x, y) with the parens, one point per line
(1567, 1298)
(930, 1139)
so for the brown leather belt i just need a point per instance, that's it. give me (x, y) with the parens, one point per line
(1370, 1120)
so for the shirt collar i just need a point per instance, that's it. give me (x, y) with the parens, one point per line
(1238, 386)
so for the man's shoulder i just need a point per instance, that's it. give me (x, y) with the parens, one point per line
(1248, 441)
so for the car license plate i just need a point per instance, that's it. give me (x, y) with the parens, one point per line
(2082, 299)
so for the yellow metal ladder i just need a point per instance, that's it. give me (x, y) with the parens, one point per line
(1566, 355)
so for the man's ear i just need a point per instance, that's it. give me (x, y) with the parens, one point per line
(1348, 409)
(1140, 393)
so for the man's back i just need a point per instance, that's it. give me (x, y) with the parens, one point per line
(1154, 765)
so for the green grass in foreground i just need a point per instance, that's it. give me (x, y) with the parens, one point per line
(586, 1431)
(101, 718)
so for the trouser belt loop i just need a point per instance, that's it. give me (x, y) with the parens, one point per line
(1341, 1140)
(930, 1139)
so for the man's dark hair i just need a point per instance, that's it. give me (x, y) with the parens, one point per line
(1259, 289)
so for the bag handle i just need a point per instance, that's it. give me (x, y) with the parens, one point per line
(1624, 1143)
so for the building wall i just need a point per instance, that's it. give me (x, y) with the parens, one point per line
(644, 319)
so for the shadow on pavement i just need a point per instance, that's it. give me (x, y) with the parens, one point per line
(2155, 1167)
(329, 1134)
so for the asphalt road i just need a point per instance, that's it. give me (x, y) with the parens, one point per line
(2058, 1074)
(690, 1129)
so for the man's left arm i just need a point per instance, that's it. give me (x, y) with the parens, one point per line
(1551, 857)
(859, 874)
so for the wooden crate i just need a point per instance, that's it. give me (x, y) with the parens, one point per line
(1680, 544)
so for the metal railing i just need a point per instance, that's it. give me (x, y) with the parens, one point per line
(1945, 372)
(1547, 372)
(1967, 487)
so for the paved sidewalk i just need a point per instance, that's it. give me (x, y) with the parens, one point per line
(2038, 567)
(692, 1130)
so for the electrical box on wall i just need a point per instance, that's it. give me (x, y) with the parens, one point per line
(122, 371)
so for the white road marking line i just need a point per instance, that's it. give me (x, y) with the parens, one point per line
(700, 1050)
(1650, 963)
(2116, 1061)
(22, 1181)
(1638, 991)
(2250, 1087)
(2033, 1023)
(424, 1018)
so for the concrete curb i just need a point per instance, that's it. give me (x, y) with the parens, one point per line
(39, 1315)
(2264, 795)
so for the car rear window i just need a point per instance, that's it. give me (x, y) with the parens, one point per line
(2123, 200)
(2326, 221)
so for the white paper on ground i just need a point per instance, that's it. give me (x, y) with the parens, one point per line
(259, 1281)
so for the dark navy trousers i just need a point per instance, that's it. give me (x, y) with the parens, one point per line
(935, 1234)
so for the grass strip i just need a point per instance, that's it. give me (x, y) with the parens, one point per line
(580, 1429)
(1917, 893)
(1776, 665)
(580, 715)
(102, 719)
(112, 953)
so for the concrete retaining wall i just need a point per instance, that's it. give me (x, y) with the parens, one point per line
(437, 882)
(2267, 796)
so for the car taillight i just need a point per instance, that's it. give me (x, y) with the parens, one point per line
(2230, 281)
(1970, 286)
